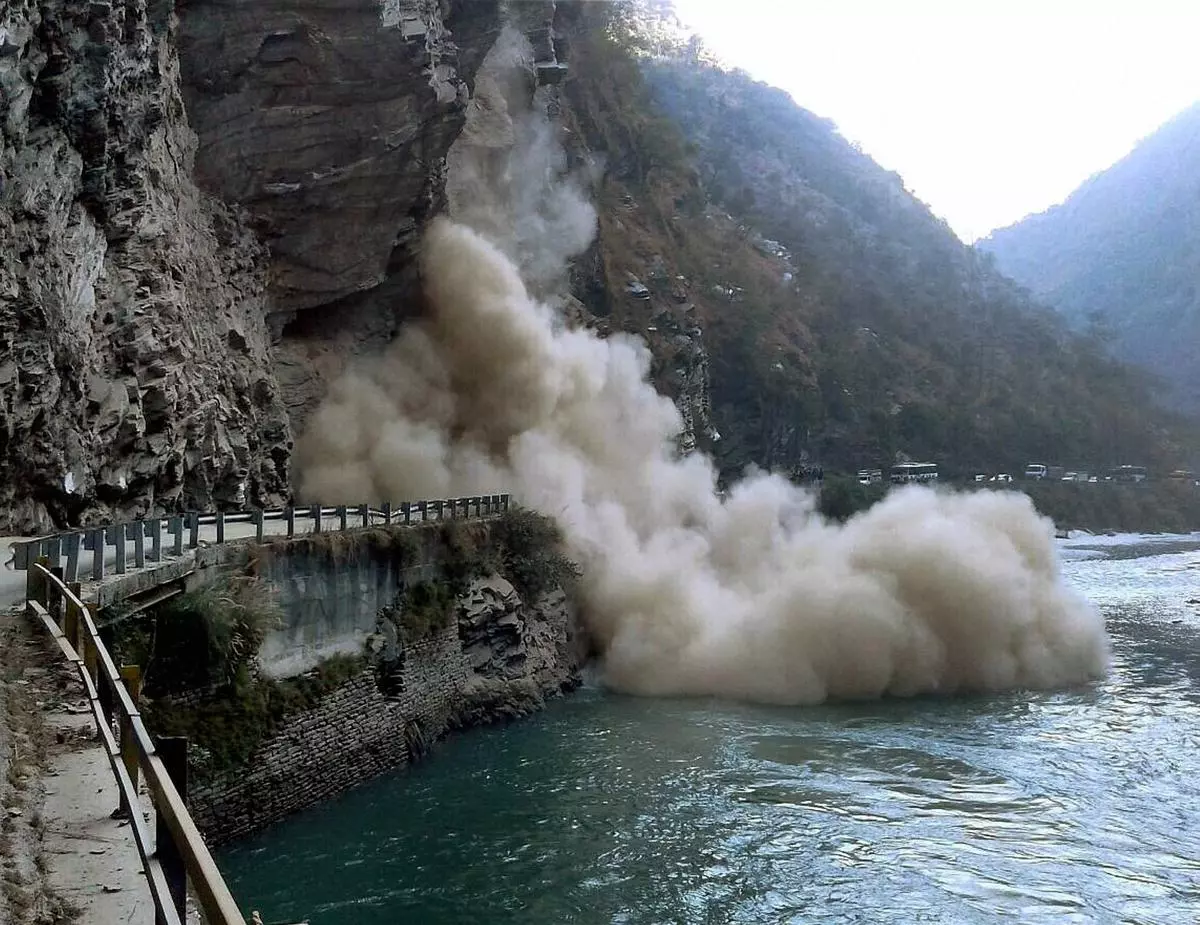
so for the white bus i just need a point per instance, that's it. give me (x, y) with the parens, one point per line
(914, 472)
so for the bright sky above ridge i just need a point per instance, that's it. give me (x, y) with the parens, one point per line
(989, 110)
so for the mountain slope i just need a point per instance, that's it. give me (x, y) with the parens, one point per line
(1122, 253)
(842, 322)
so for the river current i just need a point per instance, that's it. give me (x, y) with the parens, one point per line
(1069, 806)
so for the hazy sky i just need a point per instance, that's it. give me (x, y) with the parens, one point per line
(989, 109)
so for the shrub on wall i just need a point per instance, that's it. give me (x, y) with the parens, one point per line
(201, 639)
(224, 729)
(531, 552)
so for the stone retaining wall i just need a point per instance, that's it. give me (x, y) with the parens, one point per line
(499, 659)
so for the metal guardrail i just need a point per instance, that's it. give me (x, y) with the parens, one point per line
(169, 536)
(175, 854)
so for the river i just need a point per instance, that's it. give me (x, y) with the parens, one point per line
(1070, 806)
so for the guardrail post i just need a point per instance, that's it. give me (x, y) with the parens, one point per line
(406, 510)
(118, 539)
(70, 620)
(139, 543)
(365, 512)
(52, 548)
(131, 677)
(54, 597)
(316, 518)
(71, 572)
(439, 508)
(193, 520)
(504, 503)
(257, 518)
(97, 555)
(21, 556)
(387, 513)
(104, 693)
(35, 581)
(175, 528)
(341, 516)
(289, 515)
(155, 528)
(173, 752)
(220, 522)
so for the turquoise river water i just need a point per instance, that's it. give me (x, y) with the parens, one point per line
(1071, 806)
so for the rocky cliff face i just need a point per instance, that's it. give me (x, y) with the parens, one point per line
(204, 216)
(330, 123)
(207, 211)
(134, 356)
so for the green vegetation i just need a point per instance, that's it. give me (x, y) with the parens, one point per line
(204, 638)
(1151, 507)
(225, 728)
(1119, 258)
(423, 609)
(197, 653)
(531, 554)
(843, 496)
(522, 545)
(402, 546)
(850, 325)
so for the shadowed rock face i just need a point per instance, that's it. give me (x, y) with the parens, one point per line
(328, 120)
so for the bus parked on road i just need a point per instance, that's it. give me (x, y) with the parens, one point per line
(904, 473)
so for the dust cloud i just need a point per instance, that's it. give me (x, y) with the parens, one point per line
(750, 595)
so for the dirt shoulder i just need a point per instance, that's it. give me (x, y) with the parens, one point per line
(64, 858)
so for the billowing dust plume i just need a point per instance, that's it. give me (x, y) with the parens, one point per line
(752, 595)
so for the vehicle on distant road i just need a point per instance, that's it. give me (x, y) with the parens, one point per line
(1129, 473)
(904, 473)
(1035, 471)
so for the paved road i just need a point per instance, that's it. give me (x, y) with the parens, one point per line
(12, 581)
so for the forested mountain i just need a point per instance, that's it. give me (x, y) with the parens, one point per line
(844, 323)
(1122, 256)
